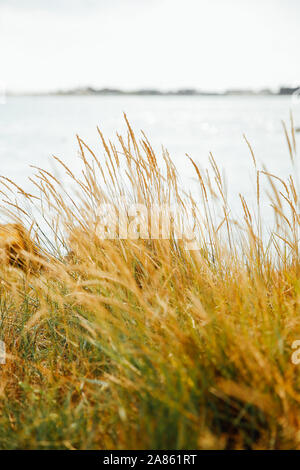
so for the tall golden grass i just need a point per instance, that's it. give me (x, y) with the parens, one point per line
(142, 344)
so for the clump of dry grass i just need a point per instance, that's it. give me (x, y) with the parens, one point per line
(130, 344)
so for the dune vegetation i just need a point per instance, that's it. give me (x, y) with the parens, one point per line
(142, 343)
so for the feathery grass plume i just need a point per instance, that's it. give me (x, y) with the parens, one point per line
(140, 343)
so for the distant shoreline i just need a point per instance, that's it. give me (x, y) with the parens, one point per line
(88, 91)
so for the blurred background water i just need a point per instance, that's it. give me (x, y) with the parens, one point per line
(32, 129)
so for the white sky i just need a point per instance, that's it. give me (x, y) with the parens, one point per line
(206, 44)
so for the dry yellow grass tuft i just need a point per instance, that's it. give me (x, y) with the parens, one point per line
(141, 343)
(17, 248)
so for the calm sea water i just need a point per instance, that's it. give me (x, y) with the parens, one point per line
(32, 129)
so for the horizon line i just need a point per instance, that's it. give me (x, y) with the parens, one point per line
(187, 91)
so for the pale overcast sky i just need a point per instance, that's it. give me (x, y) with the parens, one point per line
(206, 44)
